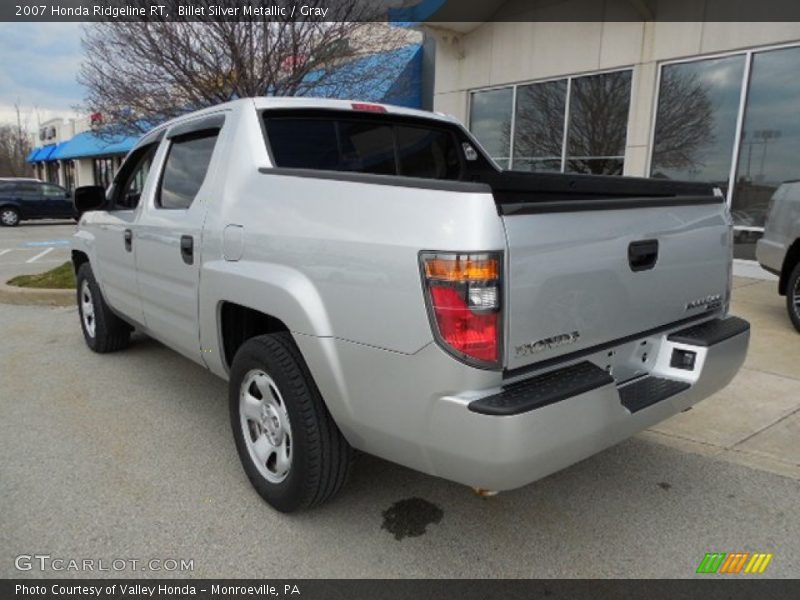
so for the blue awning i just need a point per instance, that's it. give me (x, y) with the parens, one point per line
(400, 82)
(32, 154)
(42, 153)
(89, 144)
(121, 144)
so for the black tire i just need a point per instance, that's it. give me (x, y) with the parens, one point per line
(793, 296)
(110, 332)
(9, 216)
(320, 456)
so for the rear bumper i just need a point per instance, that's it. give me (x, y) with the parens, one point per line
(531, 428)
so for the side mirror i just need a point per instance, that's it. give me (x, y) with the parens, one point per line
(88, 197)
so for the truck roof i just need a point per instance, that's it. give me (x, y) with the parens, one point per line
(265, 102)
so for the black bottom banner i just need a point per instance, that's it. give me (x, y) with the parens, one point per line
(396, 589)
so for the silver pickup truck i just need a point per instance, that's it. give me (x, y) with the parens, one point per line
(778, 251)
(366, 278)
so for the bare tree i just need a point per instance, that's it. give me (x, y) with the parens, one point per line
(598, 122)
(685, 121)
(15, 145)
(137, 73)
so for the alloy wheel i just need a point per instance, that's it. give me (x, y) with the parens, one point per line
(796, 297)
(265, 426)
(9, 217)
(87, 308)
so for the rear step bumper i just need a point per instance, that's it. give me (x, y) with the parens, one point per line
(535, 427)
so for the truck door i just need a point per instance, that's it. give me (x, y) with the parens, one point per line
(115, 238)
(168, 235)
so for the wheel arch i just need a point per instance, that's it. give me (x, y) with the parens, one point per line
(78, 258)
(14, 205)
(791, 259)
(238, 323)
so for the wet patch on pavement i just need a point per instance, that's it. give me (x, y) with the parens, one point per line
(410, 517)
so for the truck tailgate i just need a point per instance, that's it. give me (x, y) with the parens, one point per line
(583, 277)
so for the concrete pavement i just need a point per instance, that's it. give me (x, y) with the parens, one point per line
(33, 247)
(755, 421)
(130, 455)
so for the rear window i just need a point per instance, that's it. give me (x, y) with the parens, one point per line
(363, 146)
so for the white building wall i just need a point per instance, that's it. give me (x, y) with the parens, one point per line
(84, 173)
(500, 53)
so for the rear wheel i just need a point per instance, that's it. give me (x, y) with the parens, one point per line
(102, 329)
(793, 296)
(9, 216)
(290, 448)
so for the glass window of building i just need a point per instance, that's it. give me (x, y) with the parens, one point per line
(69, 175)
(103, 170)
(770, 142)
(695, 131)
(52, 168)
(490, 122)
(539, 126)
(598, 123)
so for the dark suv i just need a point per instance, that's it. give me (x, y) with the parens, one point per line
(31, 199)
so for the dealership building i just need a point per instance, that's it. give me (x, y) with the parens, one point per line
(634, 87)
(71, 153)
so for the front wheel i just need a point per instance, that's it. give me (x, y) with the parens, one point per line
(102, 329)
(793, 296)
(9, 216)
(290, 448)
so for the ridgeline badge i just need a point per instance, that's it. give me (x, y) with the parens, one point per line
(550, 343)
(709, 302)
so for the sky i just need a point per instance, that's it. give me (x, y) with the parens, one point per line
(38, 71)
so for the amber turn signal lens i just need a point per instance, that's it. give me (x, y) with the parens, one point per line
(462, 269)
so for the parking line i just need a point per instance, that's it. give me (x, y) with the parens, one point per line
(38, 256)
(6, 251)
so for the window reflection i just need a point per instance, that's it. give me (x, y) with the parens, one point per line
(539, 126)
(598, 123)
(770, 144)
(695, 131)
(490, 122)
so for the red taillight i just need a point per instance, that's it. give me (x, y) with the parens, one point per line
(463, 330)
(463, 295)
(368, 107)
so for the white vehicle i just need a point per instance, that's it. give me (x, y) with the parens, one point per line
(365, 277)
(778, 251)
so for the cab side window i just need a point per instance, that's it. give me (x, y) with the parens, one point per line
(29, 191)
(54, 192)
(185, 168)
(132, 176)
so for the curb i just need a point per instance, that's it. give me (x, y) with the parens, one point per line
(10, 294)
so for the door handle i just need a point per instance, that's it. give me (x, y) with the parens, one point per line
(128, 240)
(187, 249)
(643, 255)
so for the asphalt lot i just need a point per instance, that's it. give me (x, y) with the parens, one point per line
(34, 246)
(130, 456)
